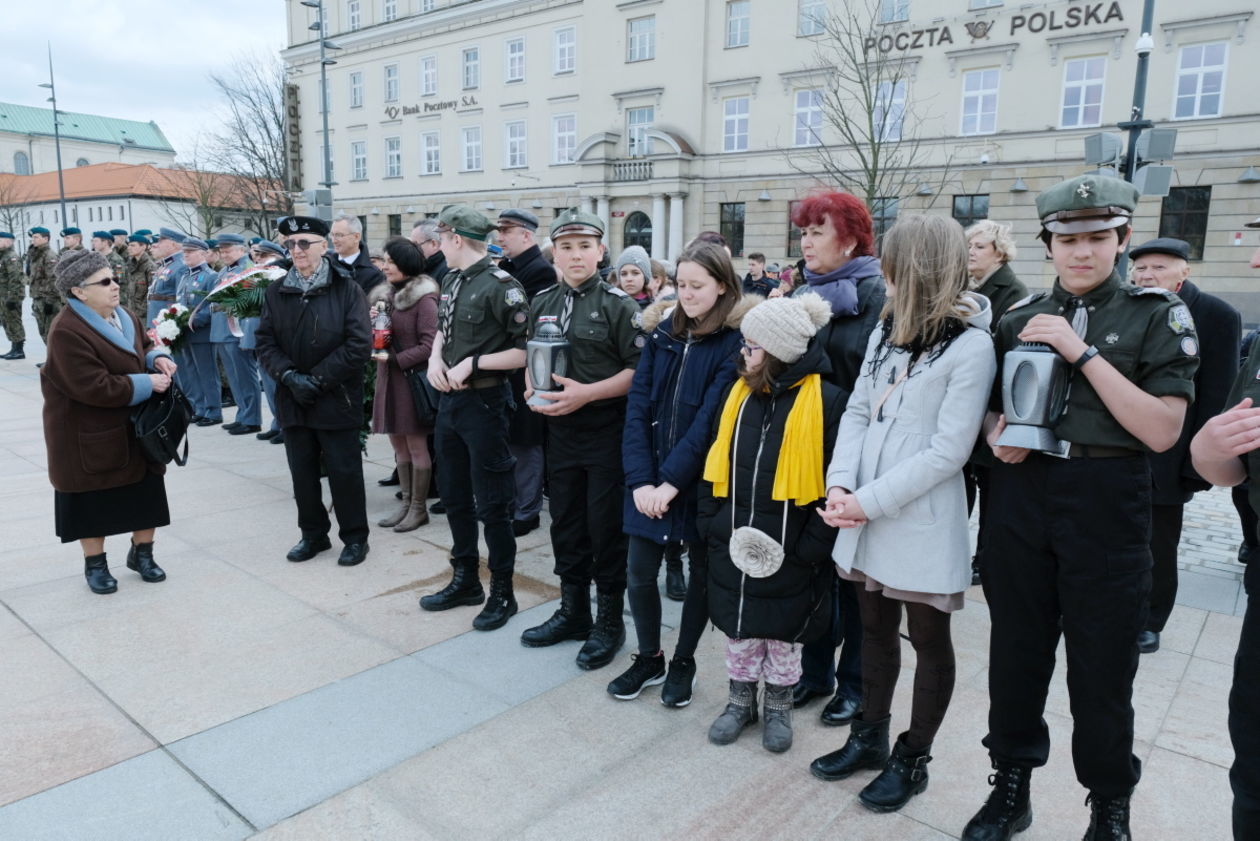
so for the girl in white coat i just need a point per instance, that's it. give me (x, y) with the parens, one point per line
(895, 488)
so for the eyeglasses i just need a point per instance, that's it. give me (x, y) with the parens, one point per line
(109, 281)
(302, 244)
(340, 235)
(748, 347)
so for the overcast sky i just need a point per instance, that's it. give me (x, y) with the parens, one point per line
(134, 59)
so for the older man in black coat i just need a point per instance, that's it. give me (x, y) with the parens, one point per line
(352, 251)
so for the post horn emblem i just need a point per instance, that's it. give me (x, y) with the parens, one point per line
(979, 29)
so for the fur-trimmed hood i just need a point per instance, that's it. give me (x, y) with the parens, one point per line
(407, 296)
(659, 311)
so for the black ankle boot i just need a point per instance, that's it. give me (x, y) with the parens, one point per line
(96, 571)
(675, 580)
(1108, 818)
(140, 559)
(904, 776)
(1008, 809)
(15, 352)
(609, 632)
(500, 604)
(867, 747)
(571, 621)
(464, 589)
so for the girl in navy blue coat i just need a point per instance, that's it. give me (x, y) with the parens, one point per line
(689, 359)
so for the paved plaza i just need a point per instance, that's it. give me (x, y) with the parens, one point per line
(251, 697)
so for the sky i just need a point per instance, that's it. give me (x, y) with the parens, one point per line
(134, 59)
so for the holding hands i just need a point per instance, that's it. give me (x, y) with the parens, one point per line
(654, 500)
(842, 509)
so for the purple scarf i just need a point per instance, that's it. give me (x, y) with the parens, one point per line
(839, 286)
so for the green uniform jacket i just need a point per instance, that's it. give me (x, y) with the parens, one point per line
(138, 273)
(490, 313)
(40, 262)
(1146, 334)
(119, 267)
(12, 283)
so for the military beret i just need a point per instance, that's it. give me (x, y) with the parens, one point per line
(520, 218)
(168, 233)
(465, 221)
(1163, 245)
(117, 232)
(255, 240)
(6, 235)
(268, 245)
(194, 244)
(145, 232)
(69, 232)
(231, 239)
(102, 235)
(138, 238)
(39, 229)
(1087, 203)
(290, 225)
(212, 242)
(575, 222)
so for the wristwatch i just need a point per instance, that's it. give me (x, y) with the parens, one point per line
(1090, 353)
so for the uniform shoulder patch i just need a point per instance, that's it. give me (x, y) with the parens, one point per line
(617, 291)
(503, 276)
(1025, 301)
(1179, 319)
(636, 320)
(515, 296)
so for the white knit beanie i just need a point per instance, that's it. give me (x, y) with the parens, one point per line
(784, 326)
(635, 256)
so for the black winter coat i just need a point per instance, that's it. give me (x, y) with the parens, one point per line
(532, 270)
(844, 337)
(794, 604)
(365, 274)
(1002, 288)
(435, 267)
(325, 332)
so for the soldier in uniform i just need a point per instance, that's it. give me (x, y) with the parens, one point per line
(167, 271)
(45, 300)
(483, 318)
(103, 244)
(12, 293)
(1067, 550)
(71, 240)
(198, 352)
(138, 271)
(120, 242)
(240, 366)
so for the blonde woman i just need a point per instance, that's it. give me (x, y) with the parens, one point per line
(895, 489)
(990, 250)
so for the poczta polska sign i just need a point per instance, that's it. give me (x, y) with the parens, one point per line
(1074, 17)
(464, 103)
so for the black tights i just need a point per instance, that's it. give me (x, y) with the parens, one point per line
(881, 663)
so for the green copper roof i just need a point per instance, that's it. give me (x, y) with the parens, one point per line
(23, 119)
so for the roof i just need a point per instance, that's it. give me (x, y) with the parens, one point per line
(110, 180)
(24, 119)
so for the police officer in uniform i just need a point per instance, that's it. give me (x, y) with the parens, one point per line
(12, 293)
(584, 470)
(240, 366)
(45, 300)
(483, 317)
(167, 271)
(138, 271)
(1067, 552)
(198, 352)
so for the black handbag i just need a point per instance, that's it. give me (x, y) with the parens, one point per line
(161, 423)
(423, 394)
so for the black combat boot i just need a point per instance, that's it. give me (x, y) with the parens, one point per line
(571, 621)
(1008, 809)
(464, 589)
(609, 633)
(1108, 818)
(500, 604)
(904, 776)
(96, 571)
(866, 747)
(15, 352)
(140, 559)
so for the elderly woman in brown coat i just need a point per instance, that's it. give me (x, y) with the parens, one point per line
(411, 299)
(101, 364)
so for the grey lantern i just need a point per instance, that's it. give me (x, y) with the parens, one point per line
(546, 355)
(1034, 396)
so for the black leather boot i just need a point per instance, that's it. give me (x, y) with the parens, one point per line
(96, 571)
(1108, 818)
(867, 747)
(904, 776)
(675, 580)
(140, 559)
(15, 352)
(463, 589)
(571, 621)
(609, 633)
(1008, 809)
(500, 604)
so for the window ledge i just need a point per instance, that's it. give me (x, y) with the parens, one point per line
(975, 52)
(1116, 36)
(1172, 27)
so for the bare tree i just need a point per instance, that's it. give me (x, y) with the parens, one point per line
(193, 198)
(15, 195)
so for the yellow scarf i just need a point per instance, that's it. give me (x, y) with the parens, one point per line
(799, 472)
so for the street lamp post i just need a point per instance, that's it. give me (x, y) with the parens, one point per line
(1137, 122)
(324, 62)
(61, 183)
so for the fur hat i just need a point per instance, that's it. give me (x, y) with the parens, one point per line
(634, 256)
(75, 266)
(784, 326)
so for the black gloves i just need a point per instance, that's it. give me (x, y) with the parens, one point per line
(305, 387)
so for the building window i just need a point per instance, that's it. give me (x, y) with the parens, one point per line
(731, 226)
(21, 164)
(358, 160)
(564, 138)
(883, 214)
(472, 68)
(1200, 81)
(90, 219)
(514, 60)
(121, 214)
(638, 231)
(980, 98)
(808, 118)
(428, 75)
(794, 233)
(565, 60)
(391, 83)
(515, 145)
(737, 23)
(393, 157)
(890, 110)
(390, 10)
(354, 14)
(428, 5)
(470, 140)
(356, 89)
(638, 121)
(1083, 92)
(109, 210)
(983, 4)
(431, 149)
(891, 11)
(969, 210)
(641, 39)
(395, 224)
(1184, 215)
(735, 124)
(811, 17)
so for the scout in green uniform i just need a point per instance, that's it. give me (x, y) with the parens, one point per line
(1067, 549)
(12, 293)
(103, 244)
(483, 318)
(584, 419)
(139, 268)
(45, 300)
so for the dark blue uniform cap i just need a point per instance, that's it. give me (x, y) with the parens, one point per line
(138, 238)
(231, 239)
(102, 235)
(171, 234)
(6, 235)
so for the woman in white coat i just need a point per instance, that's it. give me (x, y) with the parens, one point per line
(895, 487)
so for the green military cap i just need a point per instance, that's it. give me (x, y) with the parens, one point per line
(1087, 203)
(465, 221)
(575, 222)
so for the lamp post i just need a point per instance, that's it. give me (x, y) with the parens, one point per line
(1137, 122)
(61, 182)
(324, 62)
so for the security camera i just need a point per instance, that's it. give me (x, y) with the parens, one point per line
(984, 157)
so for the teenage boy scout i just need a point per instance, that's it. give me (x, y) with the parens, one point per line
(1069, 545)
(483, 318)
(584, 420)
(12, 293)
(45, 300)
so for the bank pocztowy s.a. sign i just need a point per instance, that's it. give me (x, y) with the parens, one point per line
(1055, 20)
(393, 112)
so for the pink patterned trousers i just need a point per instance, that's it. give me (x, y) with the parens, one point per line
(774, 661)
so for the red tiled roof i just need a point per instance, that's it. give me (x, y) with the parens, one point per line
(110, 180)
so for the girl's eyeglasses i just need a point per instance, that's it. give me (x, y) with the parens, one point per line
(748, 347)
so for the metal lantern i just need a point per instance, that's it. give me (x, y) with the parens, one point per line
(1034, 396)
(546, 355)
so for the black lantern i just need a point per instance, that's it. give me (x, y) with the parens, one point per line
(546, 355)
(1035, 383)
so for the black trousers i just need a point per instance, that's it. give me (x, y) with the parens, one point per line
(821, 669)
(1246, 517)
(476, 481)
(1068, 540)
(1244, 716)
(1165, 537)
(588, 488)
(339, 451)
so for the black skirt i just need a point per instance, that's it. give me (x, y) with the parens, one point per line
(134, 507)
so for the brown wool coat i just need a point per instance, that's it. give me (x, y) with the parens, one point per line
(87, 419)
(413, 322)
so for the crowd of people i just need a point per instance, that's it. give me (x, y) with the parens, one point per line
(813, 439)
